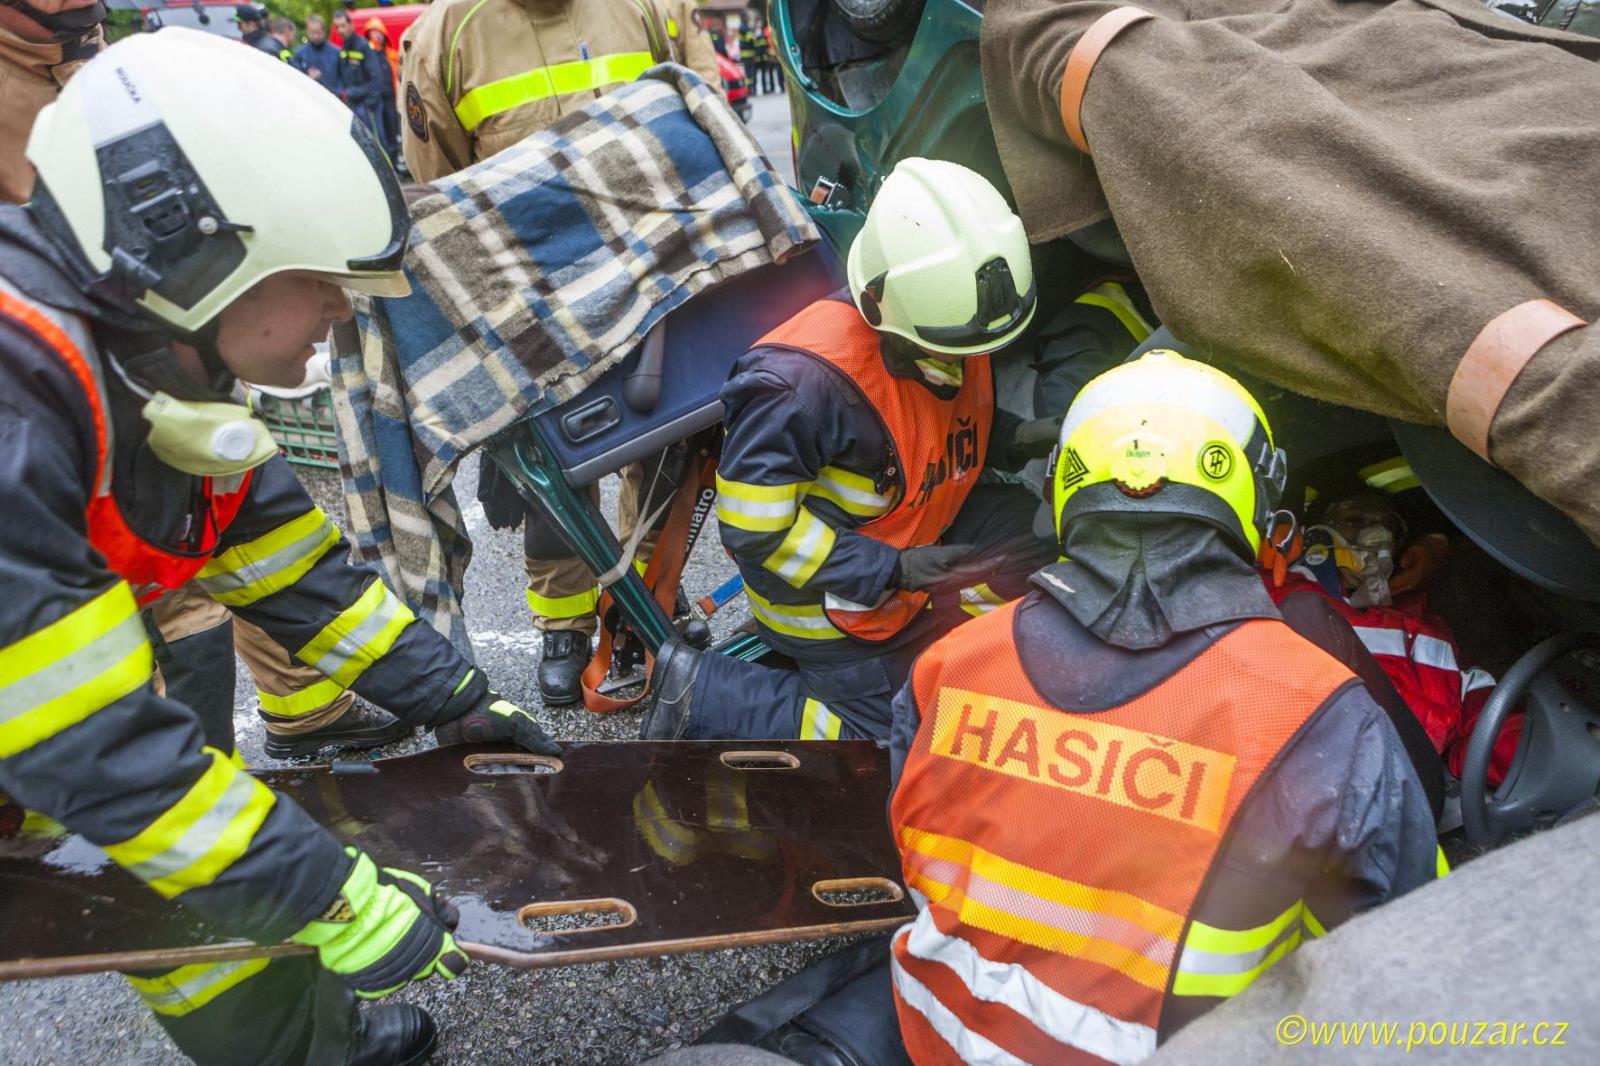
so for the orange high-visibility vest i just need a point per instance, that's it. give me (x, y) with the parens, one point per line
(150, 569)
(936, 446)
(1056, 857)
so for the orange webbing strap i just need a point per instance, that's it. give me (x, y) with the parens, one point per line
(1081, 61)
(1492, 362)
(662, 575)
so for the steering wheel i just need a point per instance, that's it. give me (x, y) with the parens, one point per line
(1557, 764)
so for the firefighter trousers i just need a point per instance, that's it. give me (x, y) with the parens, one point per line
(293, 697)
(842, 691)
(562, 592)
(266, 1011)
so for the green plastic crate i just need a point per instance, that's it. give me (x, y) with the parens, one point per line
(305, 429)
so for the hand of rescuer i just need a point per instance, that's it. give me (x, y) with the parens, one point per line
(495, 718)
(385, 929)
(937, 566)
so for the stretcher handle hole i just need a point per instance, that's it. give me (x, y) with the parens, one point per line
(512, 762)
(577, 916)
(759, 760)
(857, 891)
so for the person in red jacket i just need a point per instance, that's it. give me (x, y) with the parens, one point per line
(1358, 559)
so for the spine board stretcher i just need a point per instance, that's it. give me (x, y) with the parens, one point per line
(672, 847)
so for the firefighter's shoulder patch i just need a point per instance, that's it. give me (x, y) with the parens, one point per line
(416, 114)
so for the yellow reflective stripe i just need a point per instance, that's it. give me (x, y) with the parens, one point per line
(1108, 901)
(980, 599)
(672, 27)
(578, 605)
(202, 834)
(852, 493)
(1210, 938)
(1114, 298)
(541, 83)
(757, 508)
(238, 760)
(1115, 929)
(359, 636)
(1391, 475)
(296, 704)
(802, 553)
(271, 563)
(1441, 865)
(806, 621)
(819, 723)
(1224, 962)
(188, 988)
(450, 67)
(61, 674)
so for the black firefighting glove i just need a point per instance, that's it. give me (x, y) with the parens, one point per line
(502, 504)
(938, 566)
(495, 719)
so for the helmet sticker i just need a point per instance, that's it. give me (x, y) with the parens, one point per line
(1216, 461)
(1072, 470)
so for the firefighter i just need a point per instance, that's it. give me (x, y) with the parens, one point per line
(279, 41)
(848, 491)
(468, 92)
(1122, 798)
(39, 51)
(159, 257)
(360, 74)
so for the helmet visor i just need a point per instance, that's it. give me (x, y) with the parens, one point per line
(1001, 311)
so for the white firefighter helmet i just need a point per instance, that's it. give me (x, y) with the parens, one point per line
(185, 169)
(943, 261)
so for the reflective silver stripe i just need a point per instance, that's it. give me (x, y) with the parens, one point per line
(1474, 679)
(202, 836)
(970, 1047)
(1065, 1020)
(1431, 651)
(831, 483)
(234, 582)
(78, 333)
(1191, 391)
(354, 643)
(73, 670)
(1382, 641)
(180, 993)
(801, 556)
(1193, 960)
(1422, 650)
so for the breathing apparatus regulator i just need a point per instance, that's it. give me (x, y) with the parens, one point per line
(1168, 435)
(1363, 538)
(171, 210)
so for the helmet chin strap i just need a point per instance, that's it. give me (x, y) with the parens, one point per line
(152, 364)
(64, 26)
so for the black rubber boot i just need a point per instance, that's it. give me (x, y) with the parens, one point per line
(671, 692)
(362, 726)
(566, 653)
(395, 1034)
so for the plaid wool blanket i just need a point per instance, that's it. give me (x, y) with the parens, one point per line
(532, 273)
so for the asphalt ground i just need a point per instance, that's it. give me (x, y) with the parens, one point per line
(617, 1012)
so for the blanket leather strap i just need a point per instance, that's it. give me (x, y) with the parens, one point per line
(1493, 360)
(1080, 63)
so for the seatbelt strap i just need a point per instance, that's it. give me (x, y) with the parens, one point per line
(663, 575)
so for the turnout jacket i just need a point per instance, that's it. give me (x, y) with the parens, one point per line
(480, 75)
(1107, 904)
(84, 738)
(806, 463)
